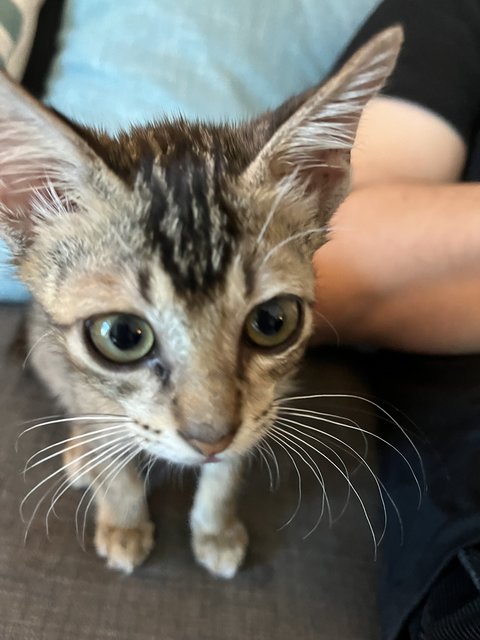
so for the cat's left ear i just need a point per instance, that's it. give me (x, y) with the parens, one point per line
(308, 156)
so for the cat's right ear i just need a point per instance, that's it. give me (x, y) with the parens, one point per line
(43, 165)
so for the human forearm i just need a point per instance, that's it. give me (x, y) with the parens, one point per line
(402, 257)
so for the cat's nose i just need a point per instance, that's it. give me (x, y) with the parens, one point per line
(211, 448)
(207, 439)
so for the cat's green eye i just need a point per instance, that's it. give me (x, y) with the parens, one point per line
(120, 337)
(273, 322)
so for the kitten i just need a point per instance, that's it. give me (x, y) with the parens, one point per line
(171, 274)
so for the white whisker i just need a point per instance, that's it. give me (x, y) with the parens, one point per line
(382, 410)
(84, 439)
(299, 501)
(330, 418)
(316, 472)
(145, 469)
(149, 467)
(37, 507)
(33, 420)
(118, 464)
(275, 461)
(330, 325)
(289, 425)
(35, 345)
(356, 427)
(84, 469)
(286, 412)
(259, 448)
(362, 504)
(38, 485)
(62, 468)
(92, 418)
(285, 422)
(295, 236)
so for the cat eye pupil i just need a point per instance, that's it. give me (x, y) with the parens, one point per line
(269, 320)
(274, 323)
(125, 335)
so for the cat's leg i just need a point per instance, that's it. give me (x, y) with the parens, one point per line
(73, 460)
(123, 530)
(219, 539)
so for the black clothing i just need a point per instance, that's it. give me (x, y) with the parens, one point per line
(431, 580)
(431, 586)
(439, 65)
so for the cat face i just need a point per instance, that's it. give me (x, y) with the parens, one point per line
(171, 266)
(175, 305)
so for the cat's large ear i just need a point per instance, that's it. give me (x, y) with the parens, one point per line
(43, 165)
(309, 154)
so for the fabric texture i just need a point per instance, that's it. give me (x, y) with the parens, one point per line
(452, 607)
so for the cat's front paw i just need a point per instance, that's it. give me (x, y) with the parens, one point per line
(125, 549)
(222, 552)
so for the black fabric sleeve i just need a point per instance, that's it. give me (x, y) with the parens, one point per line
(439, 66)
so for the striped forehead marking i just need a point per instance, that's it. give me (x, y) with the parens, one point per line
(190, 223)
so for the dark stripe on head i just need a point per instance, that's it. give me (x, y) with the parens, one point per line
(189, 221)
(144, 285)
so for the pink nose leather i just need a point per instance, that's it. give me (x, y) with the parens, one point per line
(212, 448)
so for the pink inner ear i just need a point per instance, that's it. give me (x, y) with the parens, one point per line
(17, 193)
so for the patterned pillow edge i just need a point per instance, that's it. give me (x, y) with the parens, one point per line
(18, 21)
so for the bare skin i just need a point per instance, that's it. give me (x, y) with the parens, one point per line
(402, 269)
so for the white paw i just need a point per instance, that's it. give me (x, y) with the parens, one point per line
(221, 553)
(124, 548)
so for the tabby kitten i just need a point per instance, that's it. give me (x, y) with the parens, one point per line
(170, 268)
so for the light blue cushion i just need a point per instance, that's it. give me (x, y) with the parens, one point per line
(124, 61)
(10, 288)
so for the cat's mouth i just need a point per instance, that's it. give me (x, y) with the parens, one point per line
(211, 459)
(193, 456)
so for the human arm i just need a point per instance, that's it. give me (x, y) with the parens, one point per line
(401, 269)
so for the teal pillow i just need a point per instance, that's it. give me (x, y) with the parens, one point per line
(124, 61)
